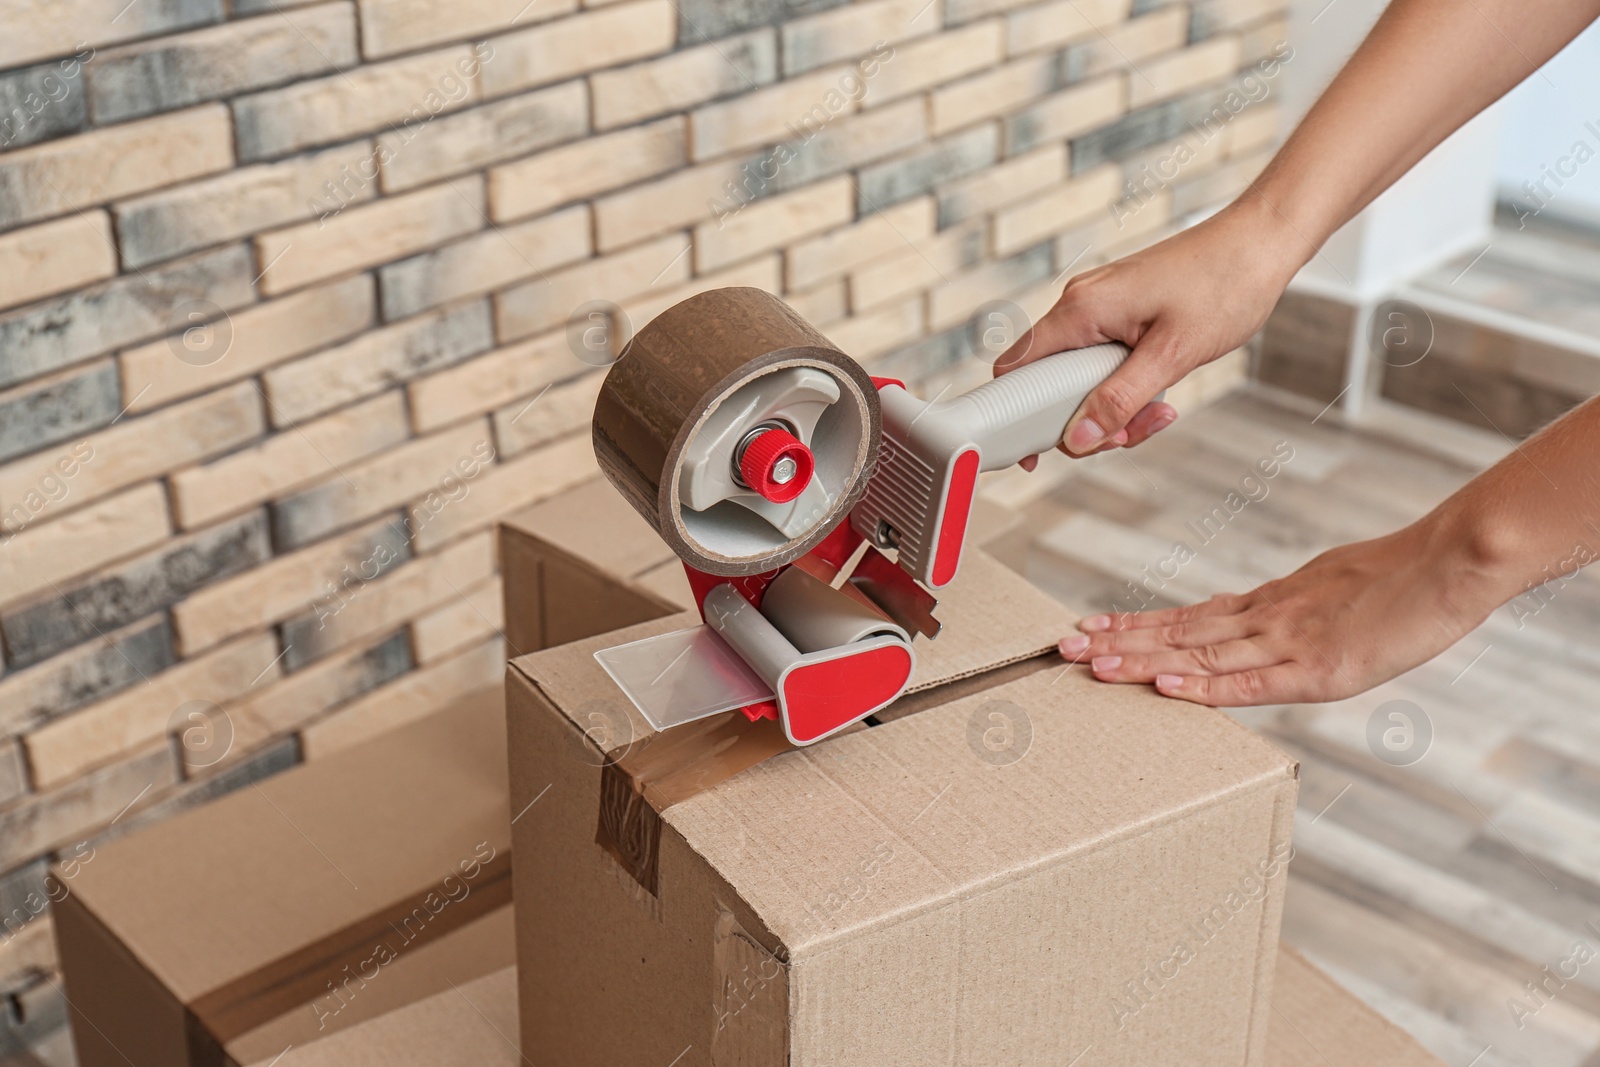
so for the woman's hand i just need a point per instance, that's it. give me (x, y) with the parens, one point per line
(1178, 304)
(1350, 619)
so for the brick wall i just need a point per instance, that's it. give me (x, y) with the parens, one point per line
(293, 301)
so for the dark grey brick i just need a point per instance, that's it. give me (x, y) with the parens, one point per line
(37, 103)
(121, 312)
(705, 20)
(1072, 64)
(85, 806)
(94, 670)
(953, 157)
(147, 584)
(1144, 7)
(1135, 130)
(13, 772)
(23, 896)
(308, 637)
(929, 356)
(38, 417)
(38, 1008)
(848, 142)
(278, 756)
(174, 72)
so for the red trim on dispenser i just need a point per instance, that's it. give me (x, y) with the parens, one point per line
(819, 698)
(957, 509)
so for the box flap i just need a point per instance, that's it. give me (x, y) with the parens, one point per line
(592, 522)
(215, 895)
(1318, 1023)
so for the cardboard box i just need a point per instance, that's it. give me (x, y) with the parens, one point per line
(281, 913)
(583, 563)
(1315, 1023)
(1022, 866)
(472, 1025)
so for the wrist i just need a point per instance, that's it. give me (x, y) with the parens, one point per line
(1477, 554)
(1282, 247)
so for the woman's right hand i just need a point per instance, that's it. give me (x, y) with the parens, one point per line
(1178, 304)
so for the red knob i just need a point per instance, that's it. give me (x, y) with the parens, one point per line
(778, 465)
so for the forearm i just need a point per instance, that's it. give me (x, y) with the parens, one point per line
(1425, 69)
(1529, 518)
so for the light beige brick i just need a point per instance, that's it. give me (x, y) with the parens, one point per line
(1135, 228)
(685, 79)
(1003, 184)
(586, 169)
(479, 385)
(1267, 41)
(954, 302)
(416, 155)
(72, 173)
(451, 457)
(244, 202)
(528, 479)
(926, 264)
(991, 94)
(389, 27)
(773, 223)
(775, 113)
(1203, 64)
(529, 422)
(359, 101)
(1130, 44)
(376, 361)
(1254, 128)
(865, 336)
(492, 259)
(54, 257)
(879, 234)
(853, 30)
(1070, 204)
(258, 337)
(32, 949)
(383, 604)
(67, 747)
(368, 235)
(135, 449)
(61, 818)
(961, 11)
(763, 272)
(1215, 15)
(580, 43)
(930, 61)
(670, 203)
(287, 585)
(468, 619)
(45, 554)
(1220, 186)
(540, 305)
(222, 61)
(1051, 25)
(287, 461)
(419, 693)
(301, 697)
(847, 143)
(1066, 114)
(46, 29)
(823, 303)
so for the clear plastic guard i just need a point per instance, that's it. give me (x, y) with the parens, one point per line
(682, 676)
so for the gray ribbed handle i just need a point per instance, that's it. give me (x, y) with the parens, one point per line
(1024, 412)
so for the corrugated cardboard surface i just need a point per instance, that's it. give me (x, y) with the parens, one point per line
(472, 1025)
(572, 566)
(225, 919)
(896, 895)
(1315, 1023)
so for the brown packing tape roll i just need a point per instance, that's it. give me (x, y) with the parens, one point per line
(298, 979)
(669, 380)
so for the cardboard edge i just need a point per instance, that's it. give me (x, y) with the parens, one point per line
(1267, 932)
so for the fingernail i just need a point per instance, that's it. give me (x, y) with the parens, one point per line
(1169, 681)
(1119, 438)
(1095, 624)
(1161, 423)
(1075, 645)
(1106, 663)
(1084, 435)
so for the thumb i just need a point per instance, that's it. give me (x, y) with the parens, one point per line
(1064, 326)
(1106, 411)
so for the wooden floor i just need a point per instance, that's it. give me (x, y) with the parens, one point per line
(1435, 891)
